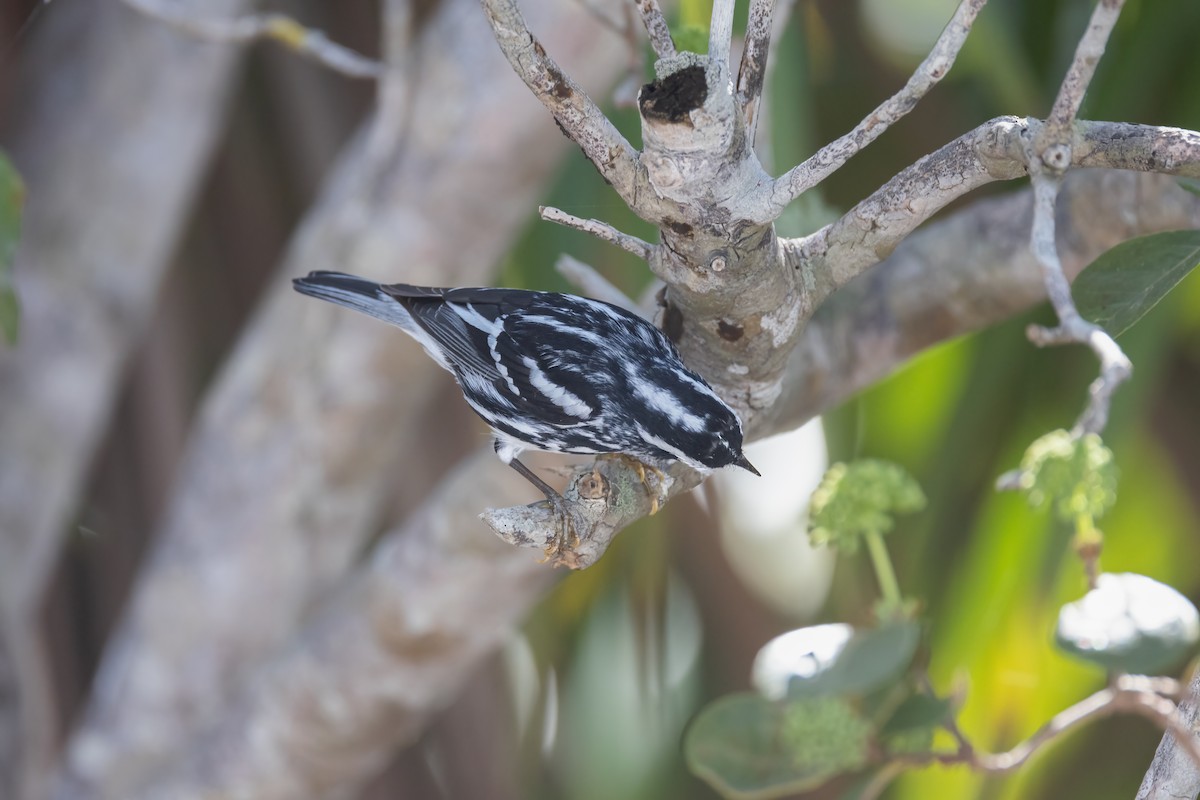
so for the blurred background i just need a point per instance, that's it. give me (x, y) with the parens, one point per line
(592, 699)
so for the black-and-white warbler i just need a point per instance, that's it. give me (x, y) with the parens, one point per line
(556, 372)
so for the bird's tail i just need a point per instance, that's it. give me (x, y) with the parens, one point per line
(357, 293)
(366, 296)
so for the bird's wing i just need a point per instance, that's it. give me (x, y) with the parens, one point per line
(460, 328)
(490, 340)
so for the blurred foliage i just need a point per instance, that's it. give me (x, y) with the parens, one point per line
(737, 744)
(827, 733)
(858, 499)
(1075, 475)
(991, 572)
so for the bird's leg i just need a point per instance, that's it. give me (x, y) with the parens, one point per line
(641, 468)
(566, 539)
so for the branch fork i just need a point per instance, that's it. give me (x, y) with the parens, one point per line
(1049, 156)
(737, 298)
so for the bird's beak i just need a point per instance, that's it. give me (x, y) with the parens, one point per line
(745, 464)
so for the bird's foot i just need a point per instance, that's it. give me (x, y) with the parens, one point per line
(561, 550)
(657, 491)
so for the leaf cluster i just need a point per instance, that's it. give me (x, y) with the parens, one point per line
(859, 499)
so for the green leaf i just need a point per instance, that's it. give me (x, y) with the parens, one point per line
(1120, 286)
(1129, 623)
(918, 711)
(834, 660)
(12, 198)
(860, 498)
(736, 746)
(1076, 475)
(911, 727)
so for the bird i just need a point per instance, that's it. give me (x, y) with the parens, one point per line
(556, 372)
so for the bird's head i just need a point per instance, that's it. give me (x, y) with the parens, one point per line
(724, 446)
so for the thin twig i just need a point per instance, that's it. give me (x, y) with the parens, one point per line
(753, 69)
(1104, 703)
(601, 230)
(593, 284)
(1155, 684)
(656, 28)
(576, 113)
(720, 31)
(1048, 159)
(1115, 366)
(1101, 704)
(833, 155)
(1074, 86)
(308, 42)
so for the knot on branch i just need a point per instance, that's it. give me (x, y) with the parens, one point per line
(673, 97)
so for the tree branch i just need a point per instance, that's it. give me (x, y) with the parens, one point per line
(1117, 699)
(753, 68)
(1048, 158)
(656, 28)
(1173, 773)
(1079, 75)
(601, 230)
(924, 293)
(720, 32)
(996, 150)
(593, 284)
(88, 270)
(295, 450)
(580, 118)
(308, 42)
(391, 649)
(395, 646)
(832, 156)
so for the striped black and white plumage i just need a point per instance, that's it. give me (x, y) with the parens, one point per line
(556, 372)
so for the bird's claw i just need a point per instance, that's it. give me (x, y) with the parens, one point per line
(656, 491)
(561, 550)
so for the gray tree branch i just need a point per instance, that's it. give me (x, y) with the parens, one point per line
(925, 292)
(99, 231)
(1049, 156)
(580, 118)
(386, 652)
(752, 71)
(298, 436)
(307, 42)
(820, 264)
(996, 150)
(291, 461)
(391, 648)
(656, 28)
(832, 156)
(1173, 774)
